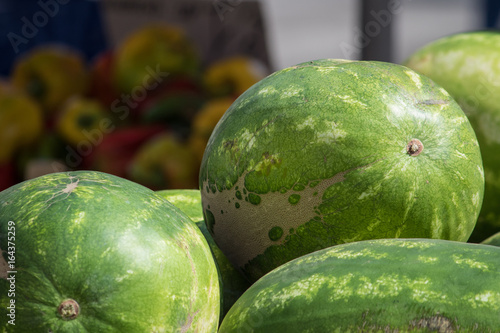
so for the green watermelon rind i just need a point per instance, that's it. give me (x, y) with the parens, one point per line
(467, 65)
(384, 285)
(130, 259)
(493, 240)
(315, 155)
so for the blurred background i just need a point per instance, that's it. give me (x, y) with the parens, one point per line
(135, 87)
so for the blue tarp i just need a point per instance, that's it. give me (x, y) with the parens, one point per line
(24, 24)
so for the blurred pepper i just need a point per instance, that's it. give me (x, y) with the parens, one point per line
(204, 123)
(80, 119)
(233, 76)
(21, 122)
(164, 162)
(51, 74)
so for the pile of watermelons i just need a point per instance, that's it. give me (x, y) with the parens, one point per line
(334, 196)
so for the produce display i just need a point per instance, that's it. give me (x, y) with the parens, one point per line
(148, 191)
(302, 161)
(467, 66)
(142, 111)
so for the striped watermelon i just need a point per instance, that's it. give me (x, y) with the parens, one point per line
(92, 252)
(467, 65)
(384, 285)
(335, 151)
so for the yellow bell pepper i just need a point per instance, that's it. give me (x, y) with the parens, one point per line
(164, 162)
(82, 120)
(21, 122)
(51, 74)
(204, 122)
(232, 76)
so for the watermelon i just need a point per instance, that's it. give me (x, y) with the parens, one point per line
(334, 151)
(383, 285)
(86, 251)
(467, 65)
(492, 240)
(233, 282)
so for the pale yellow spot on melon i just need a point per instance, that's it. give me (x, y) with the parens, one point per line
(459, 120)
(489, 299)
(373, 226)
(332, 134)
(461, 155)
(427, 260)
(350, 100)
(355, 74)
(181, 198)
(475, 199)
(472, 263)
(454, 199)
(247, 137)
(384, 286)
(415, 244)
(267, 91)
(326, 69)
(365, 194)
(125, 276)
(459, 175)
(309, 122)
(481, 172)
(341, 288)
(79, 218)
(291, 91)
(415, 78)
(105, 252)
(306, 288)
(486, 297)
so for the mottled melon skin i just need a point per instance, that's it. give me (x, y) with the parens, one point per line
(384, 285)
(317, 155)
(467, 65)
(233, 283)
(130, 259)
